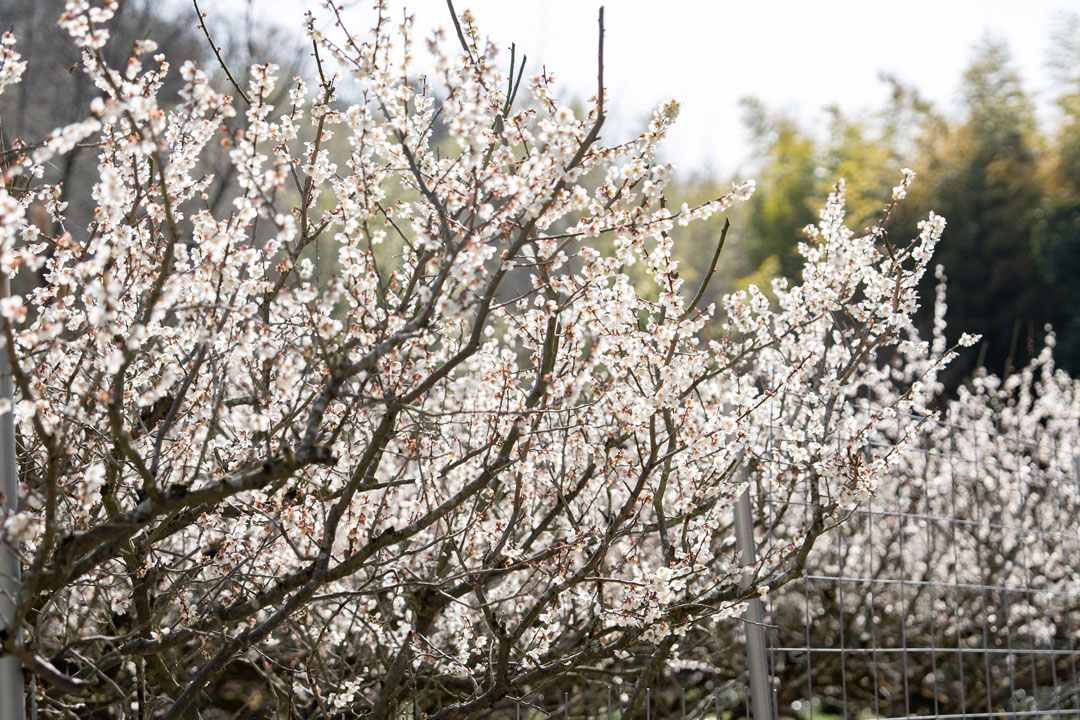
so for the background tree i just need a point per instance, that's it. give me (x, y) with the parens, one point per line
(1057, 229)
(778, 215)
(986, 183)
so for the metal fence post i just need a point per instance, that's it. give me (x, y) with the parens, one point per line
(760, 692)
(12, 706)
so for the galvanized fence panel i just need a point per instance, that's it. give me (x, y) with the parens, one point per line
(953, 593)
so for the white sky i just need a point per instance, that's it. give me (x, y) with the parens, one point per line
(708, 54)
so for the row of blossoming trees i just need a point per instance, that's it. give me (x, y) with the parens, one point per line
(955, 590)
(469, 459)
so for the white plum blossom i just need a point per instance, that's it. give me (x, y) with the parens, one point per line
(13, 309)
(900, 191)
(20, 527)
(11, 68)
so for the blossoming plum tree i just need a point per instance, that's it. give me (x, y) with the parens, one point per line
(468, 458)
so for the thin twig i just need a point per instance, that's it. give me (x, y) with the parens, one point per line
(217, 51)
(594, 132)
(460, 33)
(708, 273)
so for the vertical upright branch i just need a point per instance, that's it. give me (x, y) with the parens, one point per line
(594, 131)
(600, 65)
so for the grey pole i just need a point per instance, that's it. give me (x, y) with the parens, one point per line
(12, 703)
(760, 693)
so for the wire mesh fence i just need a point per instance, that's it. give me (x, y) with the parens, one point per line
(951, 593)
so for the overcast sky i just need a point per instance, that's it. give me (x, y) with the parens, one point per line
(789, 53)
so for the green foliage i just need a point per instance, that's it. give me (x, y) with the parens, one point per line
(866, 162)
(784, 202)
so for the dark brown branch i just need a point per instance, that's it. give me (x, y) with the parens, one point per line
(460, 33)
(217, 51)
